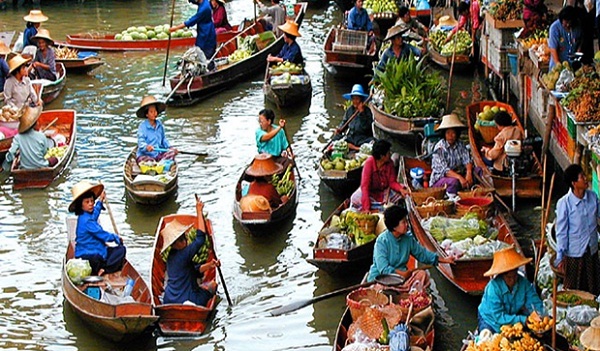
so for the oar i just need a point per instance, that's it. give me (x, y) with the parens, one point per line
(292, 152)
(169, 43)
(345, 125)
(212, 243)
(183, 152)
(303, 303)
(49, 125)
(544, 223)
(451, 72)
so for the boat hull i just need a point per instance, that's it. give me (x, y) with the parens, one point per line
(347, 64)
(399, 127)
(80, 66)
(149, 192)
(289, 94)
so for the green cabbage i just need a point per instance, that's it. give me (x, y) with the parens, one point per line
(77, 269)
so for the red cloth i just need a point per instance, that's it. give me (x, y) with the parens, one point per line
(374, 182)
(267, 190)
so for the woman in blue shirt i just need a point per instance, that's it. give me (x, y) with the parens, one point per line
(206, 37)
(151, 132)
(271, 138)
(508, 298)
(4, 50)
(291, 50)
(399, 50)
(34, 19)
(104, 250)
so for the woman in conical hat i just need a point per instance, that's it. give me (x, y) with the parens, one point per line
(182, 272)
(509, 297)
(44, 63)
(359, 130)
(451, 164)
(151, 132)
(18, 90)
(34, 19)
(104, 250)
(291, 50)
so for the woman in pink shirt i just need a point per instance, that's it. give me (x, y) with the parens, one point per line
(219, 16)
(468, 20)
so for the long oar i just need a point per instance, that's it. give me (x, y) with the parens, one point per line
(212, 243)
(183, 152)
(292, 152)
(451, 73)
(49, 125)
(169, 43)
(345, 125)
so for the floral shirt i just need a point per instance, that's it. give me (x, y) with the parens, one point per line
(446, 158)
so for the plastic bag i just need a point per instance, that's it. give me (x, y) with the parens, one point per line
(77, 269)
(338, 241)
(581, 314)
(545, 274)
(487, 249)
(566, 77)
(567, 330)
(399, 338)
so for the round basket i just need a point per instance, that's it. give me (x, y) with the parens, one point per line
(584, 298)
(415, 310)
(421, 195)
(479, 205)
(431, 207)
(476, 191)
(488, 133)
(358, 300)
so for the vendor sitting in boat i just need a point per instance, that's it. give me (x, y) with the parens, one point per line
(394, 247)
(509, 297)
(359, 19)
(271, 138)
(451, 163)
(104, 250)
(495, 156)
(291, 50)
(151, 132)
(44, 63)
(219, 16)
(360, 130)
(416, 30)
(30, 143)
(18, 90)
(262, 169)
(378, 183)
(399, 50)
(182, 273)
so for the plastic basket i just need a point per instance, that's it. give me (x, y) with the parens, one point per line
(514, 65)
(360, 299)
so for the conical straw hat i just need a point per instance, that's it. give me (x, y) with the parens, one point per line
(254, 203)
(263, 165)
(290, 28)
(447, 21)
(171, 232)
(16, 62)
(147, 101)
(450, 121)
(83, 187)
(505, 261)
(394, 31)
(4, 50)
(43, 34)
(590, 338)
(35, 16)
(30, 116)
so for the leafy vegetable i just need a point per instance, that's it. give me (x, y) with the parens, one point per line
(77, 269)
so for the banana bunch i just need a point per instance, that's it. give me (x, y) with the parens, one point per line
(505, 10)
(10, 114)
(537, 324)
(65, 53)
(57, 152)
(514, 331)
(283, 185)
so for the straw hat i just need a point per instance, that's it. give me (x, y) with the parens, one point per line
(595, 322)
(16, 62)
(505, 261)
(171, 232)
(450, 121)
(263, 165)
(35, 16)
(357, 90)
(43, 34)
(447, 21)
(30, 116)
(147, 101)
(394, 31)
(254, 203)
(590, 338)
(4, 50)
(290, 28)
(83, 187)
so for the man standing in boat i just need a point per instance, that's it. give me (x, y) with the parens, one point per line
(206, 38)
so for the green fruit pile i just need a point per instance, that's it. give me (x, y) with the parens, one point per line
(551, 77)
(238, 55)
(284, 185)
(489, 113)
(378, 6)
(57, 152)
(285, 67)
(344, 164)
(160, 32)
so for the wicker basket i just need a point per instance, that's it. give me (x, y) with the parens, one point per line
(488, 133)
(431, 207)
(421, 195)
(476, 191)
(583, 295)
(479, 205)
(358, 300)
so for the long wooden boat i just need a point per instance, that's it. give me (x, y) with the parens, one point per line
(341, 182)
(465, 274)
(4, 147)
(81, 65)
(42, 177)
(285, 95)
(196, 88)
(462, 62)
(118, 321)
(262, 222)
(179, 319)
(400, 127)
(344, 61)
(148, 191)
(529, 186)
(51, 89)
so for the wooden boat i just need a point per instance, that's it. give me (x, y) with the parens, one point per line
(465, 274)
(196, 88)
(262, 222)
(4, 147)
(461, 62)
(348, 61)
(42, 177)
(51, 90)
(179, 319)
(81, 65)
(341, 182)
(148, 191)
(529, 186)
(400, 127)
(117, 321)
(284, 95)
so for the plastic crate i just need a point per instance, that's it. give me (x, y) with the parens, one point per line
(352, 38)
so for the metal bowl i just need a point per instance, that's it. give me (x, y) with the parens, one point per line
(93, 279)
(390, 279)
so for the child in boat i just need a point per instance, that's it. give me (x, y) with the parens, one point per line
(151, 132)
(495, 156)
(182, 273)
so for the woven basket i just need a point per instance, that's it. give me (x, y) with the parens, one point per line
(476, 191)
(479, 205)
(421, 195)
(431, 207)
(415, 310)
(488, 133)
(359, 300)
(583, 295)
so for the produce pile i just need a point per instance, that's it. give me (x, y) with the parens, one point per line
(351, 229)
(538, 37)
(583, 99)
(57, 152)
(378, 6)
(287, 79)
(246, 46)
(160, 32)
(511, 338)
(10, 114)
(419, 300)
(505, 10)
(407, 88)
(283, 184)
(456, 229)
(285, 67)
(239, 55)
(285, 73)
(463, 42)
(342, 160)
(549, 79)
(65, 53)
(486, 117)
(539, 324)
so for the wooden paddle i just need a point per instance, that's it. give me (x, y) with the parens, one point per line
(169, 43)
(292, 152)
(49, 125)
(212, 243)
(345, 125)
(451, 73)
(183, 152)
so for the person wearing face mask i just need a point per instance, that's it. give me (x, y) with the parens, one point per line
(206, 38)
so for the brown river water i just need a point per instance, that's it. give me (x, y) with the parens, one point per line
(261, 273)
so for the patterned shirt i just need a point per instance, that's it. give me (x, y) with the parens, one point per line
(446, 158)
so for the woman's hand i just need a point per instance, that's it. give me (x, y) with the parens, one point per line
(469, 179)
(199, 206)
(463, 182)
(102, 196)
(405, 191)
(449, 260)
(149, 148)
(175, 151)
(281, 123)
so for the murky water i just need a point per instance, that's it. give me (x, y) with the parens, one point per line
(261, 273)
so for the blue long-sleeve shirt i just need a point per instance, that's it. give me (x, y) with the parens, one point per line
(148, 135)
(291, 53)
(576, 227)
(206, 38)
(91, 237)
(29, 32)
(3, 73)
(391, 254)
(33, 146)
(500, 306)
(359, 20)
(404, 54)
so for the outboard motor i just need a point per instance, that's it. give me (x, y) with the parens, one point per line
(193, 62)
